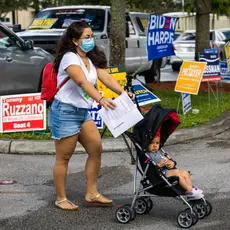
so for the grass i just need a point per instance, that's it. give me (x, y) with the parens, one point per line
(209, 109)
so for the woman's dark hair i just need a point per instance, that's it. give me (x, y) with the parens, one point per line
(65, 44)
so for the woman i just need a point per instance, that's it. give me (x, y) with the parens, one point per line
(69, 119)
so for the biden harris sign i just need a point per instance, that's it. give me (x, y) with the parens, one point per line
(160, 36)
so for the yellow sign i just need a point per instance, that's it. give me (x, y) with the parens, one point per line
(227, 50)
(42, 23)
(190, 76)
(120, 75)
(228, 62)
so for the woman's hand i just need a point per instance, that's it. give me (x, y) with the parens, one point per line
(108, 103)
(131, 95)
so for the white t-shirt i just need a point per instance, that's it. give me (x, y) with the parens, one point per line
(70, 92)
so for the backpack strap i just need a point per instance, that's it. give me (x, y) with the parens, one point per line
(63, 83)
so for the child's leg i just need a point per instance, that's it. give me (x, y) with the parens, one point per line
(187, 177)
(184, 182)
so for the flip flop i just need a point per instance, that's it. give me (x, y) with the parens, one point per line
(58, 202)
(5, 182)
(95, 202)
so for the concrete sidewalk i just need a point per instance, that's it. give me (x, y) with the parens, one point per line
(212, 128)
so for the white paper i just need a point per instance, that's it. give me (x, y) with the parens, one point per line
(124, 116)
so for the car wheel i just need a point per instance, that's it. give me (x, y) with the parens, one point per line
(154, 73)
(176, 67)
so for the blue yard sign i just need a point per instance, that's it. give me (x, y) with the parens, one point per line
(143, 95)
(95, 115)
(210, 51)
(212, 69)
(225, 74)
(160, 36)
(186, 102)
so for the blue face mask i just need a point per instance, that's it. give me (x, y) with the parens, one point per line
(87, 44)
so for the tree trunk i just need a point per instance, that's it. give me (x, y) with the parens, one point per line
(117, 33)
(203, 8)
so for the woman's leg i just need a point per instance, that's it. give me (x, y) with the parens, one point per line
(91, 140)
(64, 150)
(182, 180)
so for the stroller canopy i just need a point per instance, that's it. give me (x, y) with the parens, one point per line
(158, 119)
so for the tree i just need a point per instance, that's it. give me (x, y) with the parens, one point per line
(8, 6)
(117, 32)
(203, 9)
(220, 8)
(156, 6)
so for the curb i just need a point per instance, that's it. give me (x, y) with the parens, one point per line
(39, 147)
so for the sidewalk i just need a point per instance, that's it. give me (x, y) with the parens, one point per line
(32, 147)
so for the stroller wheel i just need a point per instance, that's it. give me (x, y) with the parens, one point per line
(185, 219)
(200, 208)
(132, 210)
(149, 204)
(195, 215)
(123, 214)
(141, 206)
(208, 207)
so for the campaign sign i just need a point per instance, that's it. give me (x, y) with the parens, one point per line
(23, 112)
(210, 51)
(119, 74)
(186, 102)
(227, 50)
(190, 76)
(143, 95)
(95, 115)
(212, 69)
(225, 73)
(160, 36)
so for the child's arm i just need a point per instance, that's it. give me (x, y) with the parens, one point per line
(163, 162)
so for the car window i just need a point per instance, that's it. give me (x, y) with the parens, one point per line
(226, 34)
(191, 36)
(176, 35)
(7, 40)
(187, 37)
(62, 18)
(130, 25)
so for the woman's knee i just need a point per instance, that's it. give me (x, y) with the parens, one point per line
(96, 150)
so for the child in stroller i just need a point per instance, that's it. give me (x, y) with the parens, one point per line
(168, 168)
(153, 181)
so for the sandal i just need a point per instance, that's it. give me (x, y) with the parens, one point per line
(58, 202)
(96, 202)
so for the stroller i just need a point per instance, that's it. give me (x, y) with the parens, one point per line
(153, 182)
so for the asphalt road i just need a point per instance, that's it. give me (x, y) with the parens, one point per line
(29, 203)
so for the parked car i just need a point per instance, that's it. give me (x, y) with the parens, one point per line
(49, 24)
(21, 64)
(184, 47)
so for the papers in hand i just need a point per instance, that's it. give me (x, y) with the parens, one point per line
(124, 116)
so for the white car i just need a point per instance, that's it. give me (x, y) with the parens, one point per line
(184, 47)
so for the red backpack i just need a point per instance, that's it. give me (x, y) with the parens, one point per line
(49, 82)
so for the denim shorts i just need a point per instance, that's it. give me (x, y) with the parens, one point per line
(66, 120)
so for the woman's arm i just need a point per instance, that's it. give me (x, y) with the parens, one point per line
(109, 81)
(78, 76)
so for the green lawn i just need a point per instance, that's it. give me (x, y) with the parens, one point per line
(169, 99)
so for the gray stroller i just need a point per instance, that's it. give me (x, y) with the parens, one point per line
(153, 182)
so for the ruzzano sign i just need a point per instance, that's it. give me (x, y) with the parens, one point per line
(23, 112)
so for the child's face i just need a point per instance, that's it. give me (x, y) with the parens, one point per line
(154, 145)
